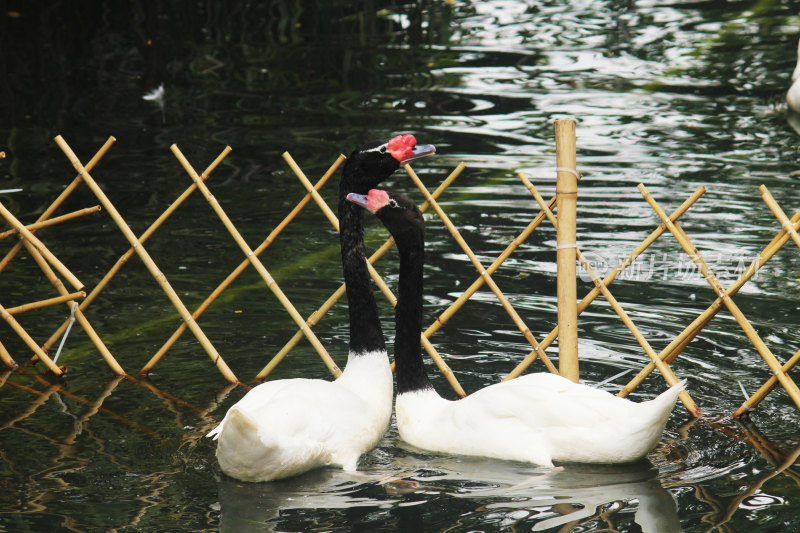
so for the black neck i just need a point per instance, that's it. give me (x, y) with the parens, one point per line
(365, 325)
(409, 368)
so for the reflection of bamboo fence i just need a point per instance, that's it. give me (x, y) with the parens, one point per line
(568, 253)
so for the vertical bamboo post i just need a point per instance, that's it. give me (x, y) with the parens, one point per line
(567, 199)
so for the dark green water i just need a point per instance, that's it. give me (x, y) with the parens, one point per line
(673, 95)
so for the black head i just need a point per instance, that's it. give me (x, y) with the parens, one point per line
(375, 161)
(398, 213)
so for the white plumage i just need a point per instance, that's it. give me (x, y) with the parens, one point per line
(536, 418)
(793, 95)
(285, 427)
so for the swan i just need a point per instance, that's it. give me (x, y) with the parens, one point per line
(793, 95)
(286, 427)
(536, 418)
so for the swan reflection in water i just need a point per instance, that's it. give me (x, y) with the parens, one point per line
(570, 493)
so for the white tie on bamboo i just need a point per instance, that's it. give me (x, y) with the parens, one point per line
(567, 199)
(148, 261)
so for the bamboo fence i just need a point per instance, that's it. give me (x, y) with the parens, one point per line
(568, 256)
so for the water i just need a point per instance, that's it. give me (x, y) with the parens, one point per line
(675, 96)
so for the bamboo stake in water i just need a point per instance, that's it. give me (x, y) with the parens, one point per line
(526, 332)
(101, 285)
(29, 341)
(329, 303)
(45, 303)
(6, 357)
(149, 263)
(610, 277)
(257, 264)
(763, 351)
(44, 266)
(567, 194)
(329, 214)
(665, 370)
(55, 220)
(47, 254)
(751, 402)
(241, 268)
(674, 348)
(61, 198)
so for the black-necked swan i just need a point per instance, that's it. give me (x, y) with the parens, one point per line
(286, 427)
(536, 418)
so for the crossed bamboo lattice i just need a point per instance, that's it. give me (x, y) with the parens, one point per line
(51, 267)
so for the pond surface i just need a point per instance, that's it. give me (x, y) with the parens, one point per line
(674, 96)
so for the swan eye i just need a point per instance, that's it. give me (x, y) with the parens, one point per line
(393, 203)
(383, 149)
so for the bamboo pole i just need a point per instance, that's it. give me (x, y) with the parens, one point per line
(47, 254)
(45, 303)
(29, 341)
(61, 198)
(610, 277)
(526, 332)
(665, 370)
(448, 313)
(84, 322)
(751, 402)
(329, 303)
(257, 264)
(148, 261)
(242, 266)
(674, 348)
(6, 358)
(779, 214)
(101, 285)
(787, 383)
(329, 214)
(567, 194)
(52, 221)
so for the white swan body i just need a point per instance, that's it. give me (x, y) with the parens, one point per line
(536, 418)
(286, 427)
(793, 95)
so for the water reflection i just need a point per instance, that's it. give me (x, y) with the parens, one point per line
(258, 506)
(521, 494)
